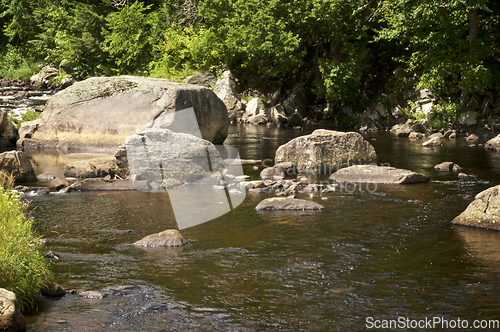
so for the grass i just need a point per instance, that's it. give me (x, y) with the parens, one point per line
(24, 269)
(29, 115)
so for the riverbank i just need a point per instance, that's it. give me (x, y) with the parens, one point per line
(24, 268)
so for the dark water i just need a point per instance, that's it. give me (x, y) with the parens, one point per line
(384, 253)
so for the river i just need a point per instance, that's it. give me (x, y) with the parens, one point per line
(370, 256)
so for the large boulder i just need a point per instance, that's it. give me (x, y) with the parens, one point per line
(404, 130)
(325, 151)
(157, 155)
(101, 112)
(19, 165)
(254, 107)
(11, 318)
(287, 203)
(377, 174)
(8, 133)
(225, 89)
(41, 80)
(297, 101)
(277, 115)
(493, 144)
(483, 212)
(168, 238)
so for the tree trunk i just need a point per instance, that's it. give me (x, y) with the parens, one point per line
(473, 22)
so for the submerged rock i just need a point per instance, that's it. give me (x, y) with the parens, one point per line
(436, 141)
(285, 203)
(100, 112)
(11, 318)
(324, 151)
(168, 238)
(377, 174)
(54, 290)
(483, 212)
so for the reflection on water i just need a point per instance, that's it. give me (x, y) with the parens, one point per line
(386, 254)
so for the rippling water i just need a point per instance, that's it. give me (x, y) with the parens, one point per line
(386, 254)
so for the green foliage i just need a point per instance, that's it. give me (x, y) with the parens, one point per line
(344, 52)
(445, 113)
(435, 43)
(23, 267)
(182, 52)
(128, 39)
(14, 66)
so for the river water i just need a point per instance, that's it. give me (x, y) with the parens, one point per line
(386, 253)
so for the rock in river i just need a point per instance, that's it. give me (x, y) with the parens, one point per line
(285, 203)
(18, 164)
(324, 151)
(168, 238)
(377, 174)
(483, 212)
(11, 318)
(100, 112)
(493, 144)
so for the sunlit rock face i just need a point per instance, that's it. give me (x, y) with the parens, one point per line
(325, 151)
(101, 112)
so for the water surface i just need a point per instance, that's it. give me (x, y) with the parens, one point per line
(385, 254)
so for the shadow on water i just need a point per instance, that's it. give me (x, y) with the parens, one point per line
(385, 254)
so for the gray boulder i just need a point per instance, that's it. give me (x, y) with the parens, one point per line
(41, 80)
(53, 290)
(483, 212)
(254, 107)
(404, 130)
(225, 89)
(297, 101)
(436, 141)
(19, 165)
(447, 166)
(493, 144)
(8, 133)
(93, 168)
(277, 115)
(58, 184)
(324, 151)
(377, 174)
(278, 171)
(156, 155)
(168, 238)
(295, 119)
(11, 318)
(100, 112)
(45, 177)
(285, 203)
